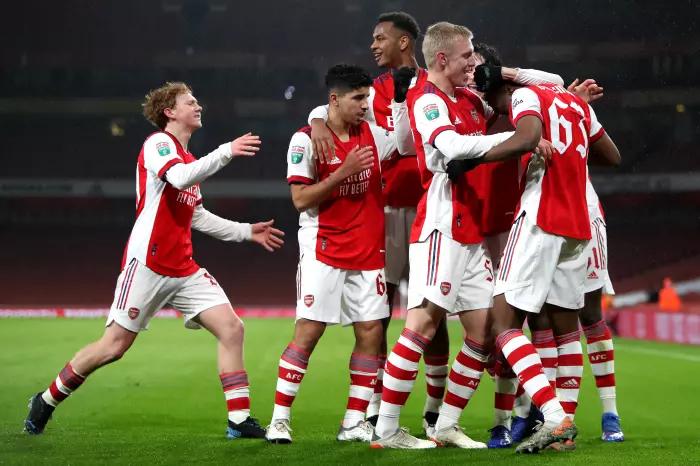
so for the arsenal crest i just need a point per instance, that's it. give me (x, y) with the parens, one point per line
(445, 288)
(133, 313)
(309, 300)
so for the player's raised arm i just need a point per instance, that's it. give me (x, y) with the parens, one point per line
(183, 176)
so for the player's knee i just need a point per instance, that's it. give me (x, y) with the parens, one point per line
(233, 332)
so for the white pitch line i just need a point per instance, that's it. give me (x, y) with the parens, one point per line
(662, 353)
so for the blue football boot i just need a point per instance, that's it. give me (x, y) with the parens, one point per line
(612, 431)
(500, 438)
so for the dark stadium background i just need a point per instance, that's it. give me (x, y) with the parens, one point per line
(73, 75)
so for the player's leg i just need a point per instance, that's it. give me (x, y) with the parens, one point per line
(430, 294)
(601, 355)
(463, 380)
(319, 292)
(436, 358)
(364, 363)
(527, 272)
(137, 296)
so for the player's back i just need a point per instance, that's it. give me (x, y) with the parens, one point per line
(558, 185)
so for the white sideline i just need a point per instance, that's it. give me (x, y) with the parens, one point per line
(661, 353)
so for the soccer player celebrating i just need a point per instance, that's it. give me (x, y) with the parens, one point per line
(158, 268)
(543, 260)
(393, 47)
(450, 267)
(341, 248)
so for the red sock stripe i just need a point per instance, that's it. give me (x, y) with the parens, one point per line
(530, 372)
(363, 380)
(470, 362)
(394, 397)
(290, 375)
(435, 392)
(504, 401)
(569, 406)
(570, 359)
(283, 399)
(520, 353)
(455, 400)
(432, 360)
(475, 346)
(543, 395)
(57, 394)
(607, 380)
(464, 380)
(594, 339)
(550, 363)
(358, 404)
(379, 386)
(237, 404)
(601, 356)
(406, 353)
(398, 373)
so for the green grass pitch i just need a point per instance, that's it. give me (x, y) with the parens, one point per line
(162, 403)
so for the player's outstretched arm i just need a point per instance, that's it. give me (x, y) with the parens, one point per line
(588, 90)
(226, 230)
(183, 176)
(321, 137)
(307, 196)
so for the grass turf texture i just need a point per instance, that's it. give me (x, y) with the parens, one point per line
(162, 403)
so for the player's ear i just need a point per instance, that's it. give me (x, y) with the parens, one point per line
(404, 42)
(333, 98)
(169, 112)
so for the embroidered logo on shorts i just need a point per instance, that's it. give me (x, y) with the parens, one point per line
(163, 148)
(445, 288)
(309, 300)
(431, 111)
(133, 313)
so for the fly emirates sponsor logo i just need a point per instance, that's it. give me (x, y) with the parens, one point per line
(189, 196)
(355, 184)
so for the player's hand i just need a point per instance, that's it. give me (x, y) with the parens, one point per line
(456, 168)
(322, 140)
(357, 160)
(266, 236)
(487, 77)
(588, 90)
(402, 81)
(545, 149)
(247, 145)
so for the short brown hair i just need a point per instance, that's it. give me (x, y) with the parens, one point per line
(439, 38)
(157, 100)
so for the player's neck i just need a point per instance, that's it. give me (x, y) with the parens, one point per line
(182, 134)
(408, 60)
(442, 82)
(339, 126)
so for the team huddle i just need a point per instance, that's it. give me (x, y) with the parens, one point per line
(468, 178)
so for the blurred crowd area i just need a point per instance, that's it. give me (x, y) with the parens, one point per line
(75, 72)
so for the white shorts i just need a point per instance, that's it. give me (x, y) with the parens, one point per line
(539, 267)
(457, 277)
(596, 252)
(141, 292)
(496, 244)
(398, 223)
(339, 296)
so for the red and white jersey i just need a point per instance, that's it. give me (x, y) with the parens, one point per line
(347, 229)
(454, 210)
(161, 238)
(555, 190)
(400, 176)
